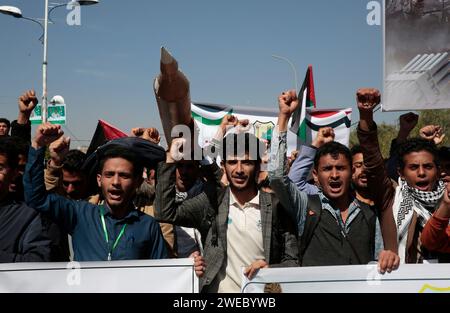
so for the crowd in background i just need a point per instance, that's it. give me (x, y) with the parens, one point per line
(324, 205)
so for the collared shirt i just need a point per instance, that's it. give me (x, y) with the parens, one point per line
(296, 201)
(244, 242)
(142, 238)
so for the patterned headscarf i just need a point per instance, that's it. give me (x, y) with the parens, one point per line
(409, 200)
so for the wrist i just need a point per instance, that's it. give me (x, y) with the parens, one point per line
(315, 144)
(55, 162)
(444, 211)
(53, 168)
(403, 134)
(23, 118)
(169, 159)
(283, 120)
(366, 115)
(35, 144)
(366, 124)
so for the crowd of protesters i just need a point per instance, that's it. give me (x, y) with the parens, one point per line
(237, 206)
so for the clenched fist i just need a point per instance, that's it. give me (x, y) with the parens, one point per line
(324, 136)
(288, 103)
(408, 121)
(177, 150)
(368, 99)
(46, 134)
(27, 102)
(58, 149)
(150, 134)
(432, 133)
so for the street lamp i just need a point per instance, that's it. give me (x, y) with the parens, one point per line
(292, 66)
(17, 13)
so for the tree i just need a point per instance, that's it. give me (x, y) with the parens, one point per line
(435, 117)
(386, 133)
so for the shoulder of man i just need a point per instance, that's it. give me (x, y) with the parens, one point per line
(21, 210)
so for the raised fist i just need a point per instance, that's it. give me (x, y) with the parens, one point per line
(324, 135)
(432, 133)
(230, 121)
(27, 102)
(177, 150)
(58, 149)
(46, 134)
(151, 134)
(367, 99)
(408, 121)
(288, 103)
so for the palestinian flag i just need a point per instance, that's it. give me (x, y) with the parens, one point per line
(104, 133)
(307, 98)
(208, 118)
(338, 119)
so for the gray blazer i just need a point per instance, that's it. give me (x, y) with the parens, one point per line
(208, 212)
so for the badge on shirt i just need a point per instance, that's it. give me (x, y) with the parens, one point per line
(259, 226)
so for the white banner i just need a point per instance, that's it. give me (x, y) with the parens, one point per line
(262, 121)
(140, 276)
(409, 278)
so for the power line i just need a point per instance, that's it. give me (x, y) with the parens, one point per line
(71, 133)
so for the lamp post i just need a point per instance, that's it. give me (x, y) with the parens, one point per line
(17, 13)
(292, 66)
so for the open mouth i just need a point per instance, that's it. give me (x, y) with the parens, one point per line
(422, 185)
(240, 180)
(115, 194)
(335, 186)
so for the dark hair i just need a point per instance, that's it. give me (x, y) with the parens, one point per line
(73, 161)
(116, 151)
(334, 149)
(444, 154)
(355, 150)
(416, 145)
(236, 144)
(6, 121)
(21, 144)
(9, 149)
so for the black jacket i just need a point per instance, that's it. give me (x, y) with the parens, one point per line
(23, 236)
(22, 131)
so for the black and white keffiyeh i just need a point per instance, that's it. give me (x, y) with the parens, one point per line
(188, 239)
(195, 190)
(409, 200)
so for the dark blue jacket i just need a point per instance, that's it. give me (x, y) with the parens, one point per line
(142, 238)
(23, 238)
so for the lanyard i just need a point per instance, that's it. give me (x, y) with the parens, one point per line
(107, 238)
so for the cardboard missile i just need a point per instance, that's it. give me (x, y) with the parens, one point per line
(172, 94)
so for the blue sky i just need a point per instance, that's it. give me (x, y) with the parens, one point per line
(105, 67)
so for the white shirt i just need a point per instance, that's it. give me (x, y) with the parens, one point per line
(244, 243)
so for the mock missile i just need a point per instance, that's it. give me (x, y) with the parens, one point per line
(171, 88)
